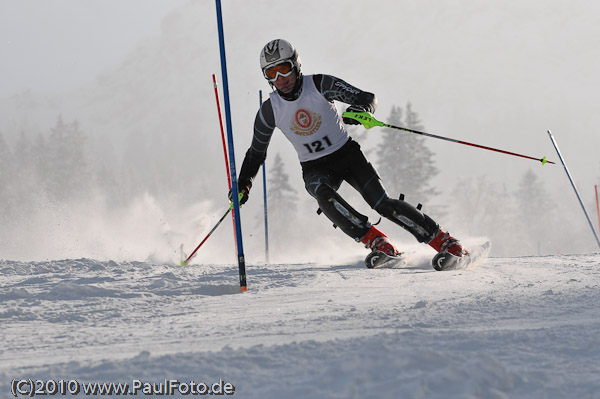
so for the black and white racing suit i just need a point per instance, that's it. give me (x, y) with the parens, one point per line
(328, 155)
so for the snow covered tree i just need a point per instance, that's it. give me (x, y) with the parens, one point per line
(282, 201)
(68, 173)
(405, 163)
(40, 159)
(282, 197)
(23, 151)
(5, 159)
(6, 179)
(479, 207)
(535, 211)
(25, 172)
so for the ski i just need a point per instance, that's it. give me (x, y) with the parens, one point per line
(444, 261)
(379, 260)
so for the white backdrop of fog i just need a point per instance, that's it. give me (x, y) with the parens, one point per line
(136, 75)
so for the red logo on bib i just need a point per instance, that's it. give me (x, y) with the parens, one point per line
(305, 122)
(303, 118)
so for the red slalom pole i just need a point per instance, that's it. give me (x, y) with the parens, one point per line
(222, 131)
(186, 261)
(597, 206)
(224, 148)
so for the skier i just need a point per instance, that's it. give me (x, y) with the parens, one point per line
(302, 107)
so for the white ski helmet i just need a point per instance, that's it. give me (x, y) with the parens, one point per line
(279, 51)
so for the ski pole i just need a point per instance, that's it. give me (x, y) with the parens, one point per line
(189, 258)
(185, 262)
(369, 121)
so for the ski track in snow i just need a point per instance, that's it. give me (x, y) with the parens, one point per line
(523, 327)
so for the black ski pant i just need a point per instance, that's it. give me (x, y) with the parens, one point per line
(323, 177)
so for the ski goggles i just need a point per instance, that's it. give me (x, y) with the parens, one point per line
(284, 69)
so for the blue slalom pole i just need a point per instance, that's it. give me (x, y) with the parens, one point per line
(234, 183)
(574, 188)
(264, 173)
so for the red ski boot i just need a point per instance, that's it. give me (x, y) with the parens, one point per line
(451, 253)
(382, 250)
(444, 242)
(377, 241)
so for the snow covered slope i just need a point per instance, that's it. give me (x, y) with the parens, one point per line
(512, 328)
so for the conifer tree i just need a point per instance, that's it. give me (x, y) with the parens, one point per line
(27, 187)
(479, 207)
(40, 159)
(282, 197)
(23, 150)
(534, 210)
(282, 201)
(5, 158)
(405, 163)
(67, 176)
(6, 168)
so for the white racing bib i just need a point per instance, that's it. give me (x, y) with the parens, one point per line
(311, 123)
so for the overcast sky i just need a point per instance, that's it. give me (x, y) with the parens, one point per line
(497, 73)
(57, 45)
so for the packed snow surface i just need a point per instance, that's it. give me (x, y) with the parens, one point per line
(526, 327)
